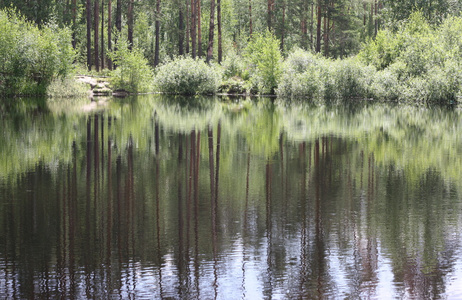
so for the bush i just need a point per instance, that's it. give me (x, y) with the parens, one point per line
(133, 73)
(385, 86)
(417, 62)
(264, 61)
(312, 76)
(302, 76)
(31, 58)
(300, 60)
(233, 85)
(233, 66)
(66, 87)
(352, 79)
(187, 76)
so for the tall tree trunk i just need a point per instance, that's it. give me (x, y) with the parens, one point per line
(312, 26)
(130, 24)
(211, 31)
(250, 18)
(119, 16)
(365, 13)
(74, 25)
(326, 32)
(283, 25)
(304, 25)
(188, 25)
(88, 9)
(102, 34)
(269, 16)
(376, 21)
(220, 49)
(193, 27)
(96, 28)
(372, 19)
(118, 23)
(199, 30)
(156, 50)
(66, 7)
(318, 28)
(180, 29)
(109, 31)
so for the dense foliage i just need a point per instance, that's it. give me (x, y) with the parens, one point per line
(316, 77)
(187, 76)
(132, 73)
(30, 58)
(422, 61)
(264, 61)
(408, 50)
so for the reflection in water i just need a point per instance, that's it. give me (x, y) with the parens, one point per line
(259, 202)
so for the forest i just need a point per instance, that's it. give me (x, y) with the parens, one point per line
(324, 49)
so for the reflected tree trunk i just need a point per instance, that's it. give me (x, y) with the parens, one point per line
(213, 208)
(158, 229)
(268, 288)
(217, 171)
(304, 268)
(212, 167)
(156, 137)
(109, 208)
(182, 277)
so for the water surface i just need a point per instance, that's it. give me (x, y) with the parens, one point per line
(176, 198)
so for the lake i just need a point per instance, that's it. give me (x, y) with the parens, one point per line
(159, 197)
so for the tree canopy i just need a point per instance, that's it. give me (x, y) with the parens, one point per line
(164, 29)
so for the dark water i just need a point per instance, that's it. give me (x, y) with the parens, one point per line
(151, 198)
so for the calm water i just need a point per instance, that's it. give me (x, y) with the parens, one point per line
(150, 198)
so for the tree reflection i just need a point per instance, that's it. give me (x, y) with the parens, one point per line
(217, 208)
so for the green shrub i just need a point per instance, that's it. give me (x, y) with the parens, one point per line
(187, 76)
(233, 66)
(133, 73)
(233, 85)
(383, 50)
(300, 60)
(384, 86)
(417, 62)
(352, 79)
(264, 61)
(30, 58)
(304, 75)
(66, 87)
(314, 77)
